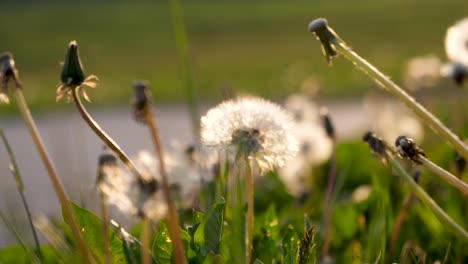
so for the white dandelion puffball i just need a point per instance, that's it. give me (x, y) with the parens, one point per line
(456, 42)
(315, 148)
(302, 108)
(254, 127)
(422, 72)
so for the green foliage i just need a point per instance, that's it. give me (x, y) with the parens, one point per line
(91, 230)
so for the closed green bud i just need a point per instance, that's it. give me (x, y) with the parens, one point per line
(72, 71)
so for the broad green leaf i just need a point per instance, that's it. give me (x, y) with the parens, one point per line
(91, 230)
(14, 254)
(209, 233)
(162, 245)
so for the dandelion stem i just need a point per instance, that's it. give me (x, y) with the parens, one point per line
(102, 134)
(59, 190)
(399, 221)
(327, 204)
(105, 231)
(172, 218)
(178, 27)
(20, 187)
(333, 41)
(145, 241)
(17, 235)
(249, 191)
(445, 175)
(427, 200)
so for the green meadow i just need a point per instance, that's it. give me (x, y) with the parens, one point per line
(259, 47)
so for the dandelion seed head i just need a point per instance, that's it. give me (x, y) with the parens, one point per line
(302, 108)
(456, 42)
(361, 193)
(422, 72)
(252, 127)
(315, 148)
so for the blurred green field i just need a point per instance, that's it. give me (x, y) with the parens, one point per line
(260, 47)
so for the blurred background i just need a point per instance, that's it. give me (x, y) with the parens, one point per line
(259, 47)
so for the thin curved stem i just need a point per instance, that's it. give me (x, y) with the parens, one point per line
(145, 241)
(427, 200)
(20, 187)
(105, 231)
(398, 222)
(445, 175)
(327, 204)
(56, 183)
(178, 28)
(173, 219)
(102, 134)
(435, 124)
(332, 44)
(249, 191)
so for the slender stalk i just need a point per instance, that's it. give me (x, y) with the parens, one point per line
(333, 44)
(172, 218)
(427, 200)
(17, 235)
(178, 27)
(445, 175)
(56, 183)
(399, 221)
(327, 204)
(145, 241)
(20, 187)
(102, 134)
(105, 231)
(249, 191)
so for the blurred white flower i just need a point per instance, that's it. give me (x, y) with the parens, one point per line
(393, 119)
(422, 72)
(253, 127)
(116, 185)
(315, 148)
(361, 193)
(184, 174)
(456, 42)
(302, 108)
(131, 195)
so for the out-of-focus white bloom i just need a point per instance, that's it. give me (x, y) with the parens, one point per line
(116, 185)
(253, 127)
(422, 72)
(393, 119)
(361, 193)
(184, 176)
(315, 148)
(456, 42)
(302, 108)
(132, 195)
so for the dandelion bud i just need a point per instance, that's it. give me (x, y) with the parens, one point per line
(72, 71)
(106, 163)
(324, 34)
(459, 164)
(327, 123)
(416, 175)
(8, 72)
(376, 144)
(407, 148)
(456, 71)
(141, 100)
